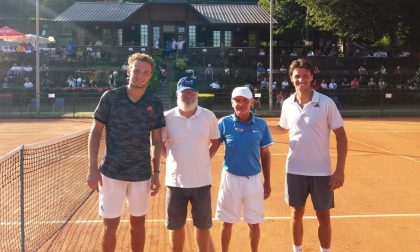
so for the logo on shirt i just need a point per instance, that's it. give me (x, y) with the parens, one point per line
(149, 108)
(317, 105)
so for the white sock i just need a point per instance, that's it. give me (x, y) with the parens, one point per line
(297, 248)
(324, 249)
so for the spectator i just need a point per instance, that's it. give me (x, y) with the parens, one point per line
(264, 83)
(324, 84)
(381, 83)
(332, 85)
(283, 69)
(354, 83)
(345, 83)
(28, 83)
(209, 72)
(279, 99)
(260, 70)
(285, 84)
(261, 52)
(215, 85)
(371, 83)
(71, 82)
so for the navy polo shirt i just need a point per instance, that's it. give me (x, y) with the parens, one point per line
(128, 125)
(243, 142)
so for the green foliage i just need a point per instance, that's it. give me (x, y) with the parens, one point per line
(181, 64)
(206, 100)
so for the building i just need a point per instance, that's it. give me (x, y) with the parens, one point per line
(221, 27)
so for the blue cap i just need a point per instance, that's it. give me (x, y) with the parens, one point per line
(187, 83)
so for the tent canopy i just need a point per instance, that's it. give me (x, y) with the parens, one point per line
(9, 34)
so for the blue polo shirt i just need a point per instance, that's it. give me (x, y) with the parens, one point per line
(243, 142)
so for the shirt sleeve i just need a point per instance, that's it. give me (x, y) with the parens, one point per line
(334, 117)
(222, 130)
(214, 128)
(101, 112)
(160, 117)
(267, 139)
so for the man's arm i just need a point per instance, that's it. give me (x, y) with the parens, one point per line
(214, 146)
(94, 178)
(283, 130)
(337, 179)
(156, 150)
(266, 167)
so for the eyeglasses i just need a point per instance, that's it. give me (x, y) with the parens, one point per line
(245, 129)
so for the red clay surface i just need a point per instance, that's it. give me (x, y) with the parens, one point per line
(378, 209)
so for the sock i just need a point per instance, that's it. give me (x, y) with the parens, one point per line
(324, 249)
(297, 248)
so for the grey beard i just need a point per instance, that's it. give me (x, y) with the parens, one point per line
(187, 107)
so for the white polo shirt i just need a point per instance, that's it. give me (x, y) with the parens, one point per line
(309, 134)
(187, 142)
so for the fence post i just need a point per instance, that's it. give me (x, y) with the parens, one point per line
(382, 102)
(21, 105)
(74, 105)
(22, 199)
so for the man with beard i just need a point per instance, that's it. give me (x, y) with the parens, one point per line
(130, 116)
(191, 139)
(309, 117)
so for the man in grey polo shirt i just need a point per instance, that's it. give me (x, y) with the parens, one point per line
(191, 139)
(130, 116)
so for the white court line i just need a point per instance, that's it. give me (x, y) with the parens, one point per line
(360, 216)
(387, 151)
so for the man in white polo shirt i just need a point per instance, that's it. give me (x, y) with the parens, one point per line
(191, 138)
(309, 117)
(247, 140)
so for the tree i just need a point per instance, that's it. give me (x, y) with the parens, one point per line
(367, 20)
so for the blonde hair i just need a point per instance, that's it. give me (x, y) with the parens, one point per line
(141, 57)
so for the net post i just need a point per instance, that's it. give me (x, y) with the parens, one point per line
(22, 199)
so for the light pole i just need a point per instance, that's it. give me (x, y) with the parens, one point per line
(270, 76)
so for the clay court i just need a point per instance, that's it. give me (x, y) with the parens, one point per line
(378, 209)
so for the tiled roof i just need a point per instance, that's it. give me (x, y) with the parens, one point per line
(117, 12)
(98, 12)
(233, 13)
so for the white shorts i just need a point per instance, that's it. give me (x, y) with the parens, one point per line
(238, 192)
(113, 192)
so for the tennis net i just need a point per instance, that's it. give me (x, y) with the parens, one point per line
(42, 186)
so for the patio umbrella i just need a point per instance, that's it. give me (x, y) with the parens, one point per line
(31, 38)
(9, 34)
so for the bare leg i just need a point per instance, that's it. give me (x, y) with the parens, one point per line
(297, 225)
(226, 235)
(254, 236)
(138, 233)
(109, 238)
(177, 238)
(202, 239)
(324, 228)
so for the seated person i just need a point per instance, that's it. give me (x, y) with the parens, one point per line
(215, 85)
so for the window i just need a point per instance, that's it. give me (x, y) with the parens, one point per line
(119, 37)
(107, 37)
(192, 36)
(143, 35)
(216, 38)
(156, 34)
(252, 39)
(80, 36)
(228, 38)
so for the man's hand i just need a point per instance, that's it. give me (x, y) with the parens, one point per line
(267, 190)
(94, 179)
(155, 184)
(336, 180)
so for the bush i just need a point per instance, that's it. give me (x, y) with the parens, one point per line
(206, 100)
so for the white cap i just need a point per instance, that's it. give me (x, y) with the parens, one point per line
(242, 91)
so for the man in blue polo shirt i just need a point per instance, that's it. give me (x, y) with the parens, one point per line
(247, 139)
(131, 117)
